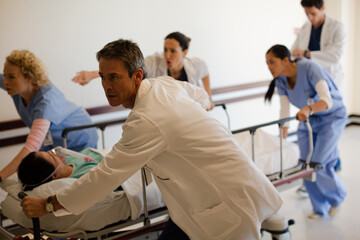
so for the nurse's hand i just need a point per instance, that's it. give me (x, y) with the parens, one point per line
(303, 114)
(34, 207)
(84, 77)
(285, 132)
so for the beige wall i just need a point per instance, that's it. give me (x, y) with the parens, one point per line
(232, 36)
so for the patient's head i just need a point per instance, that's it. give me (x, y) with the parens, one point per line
(40, 167)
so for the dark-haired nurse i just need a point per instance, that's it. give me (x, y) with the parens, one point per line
(308, 86)
(172, 62)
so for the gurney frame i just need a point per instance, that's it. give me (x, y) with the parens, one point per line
(113, 231)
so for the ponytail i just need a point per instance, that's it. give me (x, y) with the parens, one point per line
(270, 90)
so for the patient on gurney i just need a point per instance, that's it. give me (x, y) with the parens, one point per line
(41, 167)
(45, 173)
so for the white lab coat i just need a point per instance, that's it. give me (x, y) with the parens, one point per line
(195, 68)
(210, 186)
(332, 46)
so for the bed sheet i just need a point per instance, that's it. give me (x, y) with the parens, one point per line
(114, 207)
(267, 151)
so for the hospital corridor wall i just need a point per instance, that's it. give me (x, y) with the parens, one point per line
(232, 36)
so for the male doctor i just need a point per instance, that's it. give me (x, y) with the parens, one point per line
(210, 186)
(322, 39)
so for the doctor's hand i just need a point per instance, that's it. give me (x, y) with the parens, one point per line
(303, 114)
(34, 207)
(298, 53)
(84, 77)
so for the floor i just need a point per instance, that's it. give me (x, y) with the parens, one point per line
(345, 225)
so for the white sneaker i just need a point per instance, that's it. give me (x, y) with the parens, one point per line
(334, 210)
(301, 191)
(314, 215)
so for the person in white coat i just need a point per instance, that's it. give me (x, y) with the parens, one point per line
(322, 39)
(172, 62)
(211, 187)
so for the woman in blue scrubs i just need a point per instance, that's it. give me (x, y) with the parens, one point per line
(308, 86)
(43, 108)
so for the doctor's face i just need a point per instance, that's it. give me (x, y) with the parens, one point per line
(315, 15)
(119, 88)
(14, 81)
(275, 64)
(173, 54)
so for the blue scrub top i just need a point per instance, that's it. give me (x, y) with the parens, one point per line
(49, 103)
(309, 73)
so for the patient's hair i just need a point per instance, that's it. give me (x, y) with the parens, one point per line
(309, 3)
(30, 66)
(282, 52)
(33, 170)
(126, 51)
(181, 38)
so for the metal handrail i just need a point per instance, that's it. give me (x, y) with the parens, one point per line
(100, 125)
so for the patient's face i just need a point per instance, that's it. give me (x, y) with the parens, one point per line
(275, 64)
(55, 160)
(118, 86)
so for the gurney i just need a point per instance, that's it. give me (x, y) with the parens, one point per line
(284, 176)
(148, 212)
(139, 205)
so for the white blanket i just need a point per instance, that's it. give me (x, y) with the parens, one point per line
(267, 151)
(116, 206)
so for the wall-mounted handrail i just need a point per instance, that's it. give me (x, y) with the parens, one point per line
(100, 125)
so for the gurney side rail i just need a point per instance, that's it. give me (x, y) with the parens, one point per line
(303, 169)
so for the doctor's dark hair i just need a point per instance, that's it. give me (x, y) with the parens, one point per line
(310, 3)
(180, 38)
(32, 171)
(282, 52)
(126, 51)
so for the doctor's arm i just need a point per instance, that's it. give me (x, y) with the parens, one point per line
(197, 94)
(84, 77)
(33, 143)
(127, 156)
(206, 84)
(323, 104)
(332, 52)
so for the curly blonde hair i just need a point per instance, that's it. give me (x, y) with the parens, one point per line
(30, 66)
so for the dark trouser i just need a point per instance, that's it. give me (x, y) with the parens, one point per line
(172, 232)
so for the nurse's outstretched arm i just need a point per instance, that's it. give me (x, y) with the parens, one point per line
(304, 113)
(84, 77)
(33, 143)
(325, 102)
(14, 164)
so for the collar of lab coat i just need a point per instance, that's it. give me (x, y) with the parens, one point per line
(145, 86)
